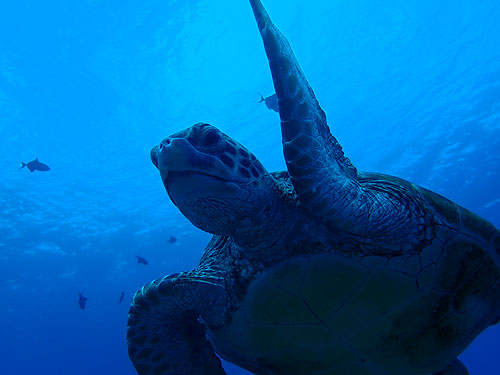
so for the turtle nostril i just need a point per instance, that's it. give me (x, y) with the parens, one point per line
(164, 143)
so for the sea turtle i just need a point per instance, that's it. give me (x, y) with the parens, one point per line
(317, 270)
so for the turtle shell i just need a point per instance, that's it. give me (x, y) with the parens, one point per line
(334, 314)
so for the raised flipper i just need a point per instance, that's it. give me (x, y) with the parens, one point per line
(454, 368)
(325, 180)
(312, 154)
(164, 333)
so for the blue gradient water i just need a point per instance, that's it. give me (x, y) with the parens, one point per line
(410, 88)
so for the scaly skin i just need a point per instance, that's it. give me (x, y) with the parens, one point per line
(164, 335)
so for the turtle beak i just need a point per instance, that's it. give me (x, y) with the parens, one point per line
(154, 156)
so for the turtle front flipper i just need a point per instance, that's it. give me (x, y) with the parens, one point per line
(164, 334)
(315, 160)
(326, 182)
(454, 368)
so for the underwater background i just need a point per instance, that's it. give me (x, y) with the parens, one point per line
(410, 88)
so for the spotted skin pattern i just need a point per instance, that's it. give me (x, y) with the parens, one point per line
(211, 141)
(321, 269)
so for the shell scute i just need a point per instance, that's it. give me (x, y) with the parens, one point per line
(443, 206)
(412, 265)
(475, 290)
(441, 335)
(331, 277)
(460, 261)
(273, 305)
(370, 301)
(430, 254)
(383, 340)
(477, 225)
(426, 278)
(397, 262)
(298, 358)
(419, 333)
(289, 275)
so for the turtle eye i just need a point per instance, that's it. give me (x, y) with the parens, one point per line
(212, 137)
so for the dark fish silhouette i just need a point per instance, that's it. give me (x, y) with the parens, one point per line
(121, 297)
(35, 165)
(172, 240)
(82, 301)
(271, 102)
(141, 260)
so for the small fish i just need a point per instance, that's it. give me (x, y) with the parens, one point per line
(172, 240)
(82, 301)
(271, 102)
(121, 297)
(35, 165)
(141, 260)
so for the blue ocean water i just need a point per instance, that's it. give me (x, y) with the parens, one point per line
(410, 88)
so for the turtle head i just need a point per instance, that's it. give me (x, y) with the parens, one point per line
(214, 181)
